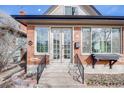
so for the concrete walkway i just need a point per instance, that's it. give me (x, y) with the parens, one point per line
(56, 75)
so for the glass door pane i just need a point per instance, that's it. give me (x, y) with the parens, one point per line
(61, 45)
(56, 44)
(67, 43)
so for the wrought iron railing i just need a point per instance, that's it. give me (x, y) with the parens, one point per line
(24, 59)
(80, 68)
(41, 67)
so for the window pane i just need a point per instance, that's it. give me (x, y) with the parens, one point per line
(86, 36)
(101, 40)
(42, 39)
(116, 40)
(68, 10)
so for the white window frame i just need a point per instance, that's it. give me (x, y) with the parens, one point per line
(82, 41)
(85, 26)
(35, 41)
(120, 39)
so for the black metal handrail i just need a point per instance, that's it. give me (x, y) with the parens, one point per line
(41, 67)
(80, 67)
(24, 57)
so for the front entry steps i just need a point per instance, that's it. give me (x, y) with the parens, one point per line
(56, 75)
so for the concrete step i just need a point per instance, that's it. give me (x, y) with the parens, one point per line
(54, 74)
(59, 70)
(45, 85)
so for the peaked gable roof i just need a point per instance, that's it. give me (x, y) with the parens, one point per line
(89, 8)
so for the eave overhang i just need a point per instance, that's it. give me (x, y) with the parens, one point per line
(69, 19)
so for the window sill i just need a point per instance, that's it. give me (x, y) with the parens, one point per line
(41, 53)
(100, 53)
(86, 54)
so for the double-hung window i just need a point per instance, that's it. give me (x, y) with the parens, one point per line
(42, 39)
(101, 40)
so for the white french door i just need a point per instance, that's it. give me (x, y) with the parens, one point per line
(61, 44)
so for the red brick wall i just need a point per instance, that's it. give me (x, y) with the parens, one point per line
(77, 38)
(31, 57)
(30, 48)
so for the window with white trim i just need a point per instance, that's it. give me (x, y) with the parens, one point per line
(101, 40)
(116, 40)
(42, 39)
(86, 40)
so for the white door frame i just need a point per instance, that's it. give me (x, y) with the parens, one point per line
(61, 46)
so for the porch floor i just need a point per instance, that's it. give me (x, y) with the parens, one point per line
(56, 75)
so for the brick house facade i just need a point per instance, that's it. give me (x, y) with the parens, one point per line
(81, 23)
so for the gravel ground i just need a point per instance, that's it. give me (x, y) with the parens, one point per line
(104, 80)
